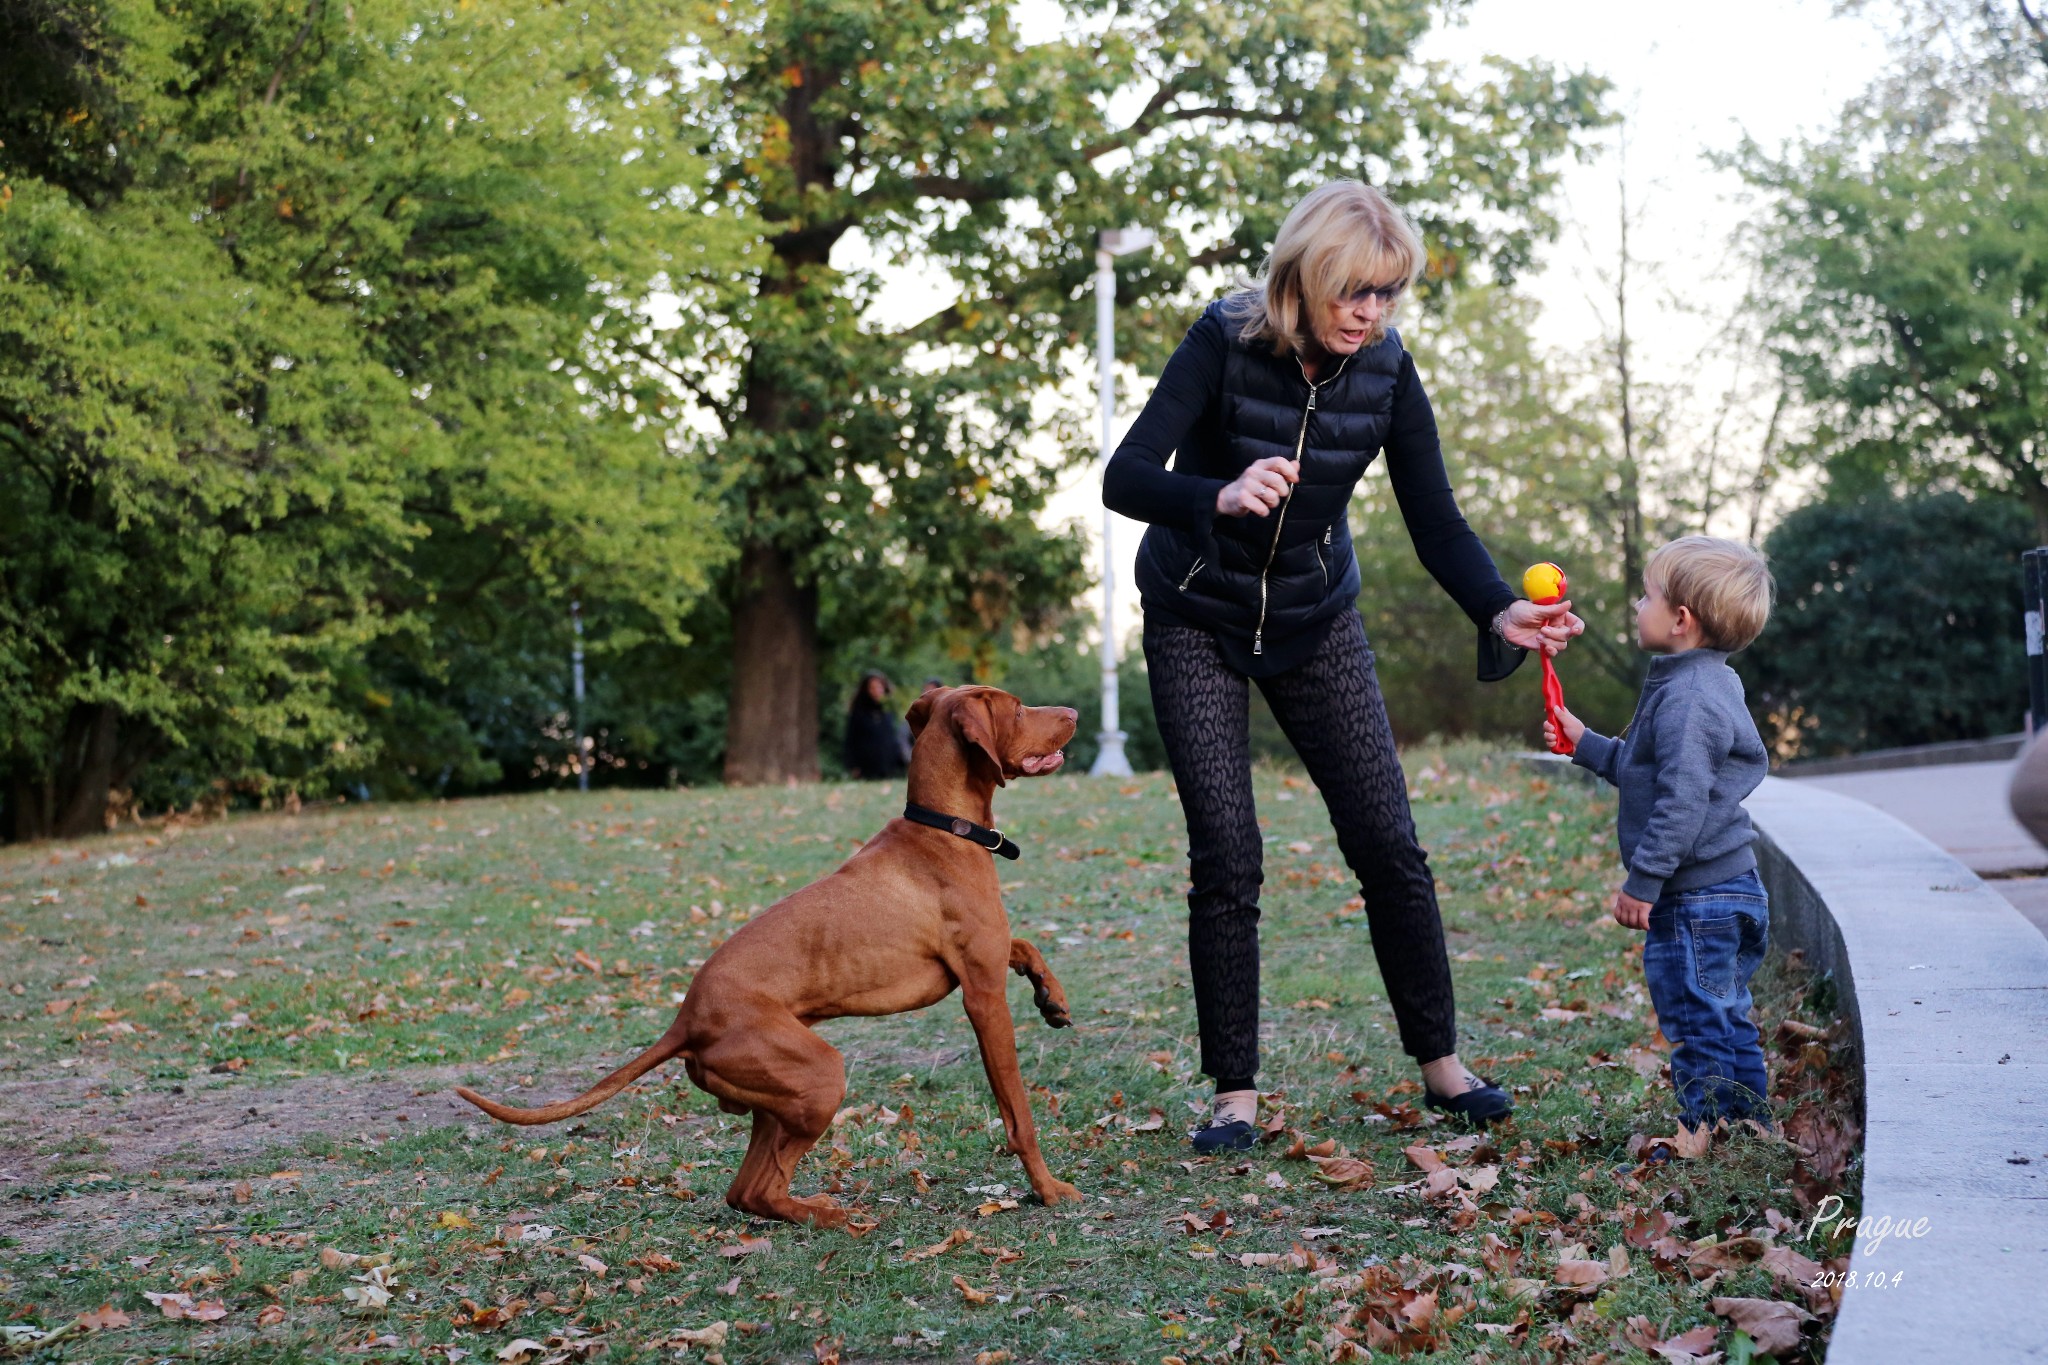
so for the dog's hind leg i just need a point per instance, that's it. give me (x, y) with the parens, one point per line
(1046, 991)
(793, 1081)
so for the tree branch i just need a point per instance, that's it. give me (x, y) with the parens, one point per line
(2035, 23)
(718, 409)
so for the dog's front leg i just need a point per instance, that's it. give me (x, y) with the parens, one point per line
(1046, 991)
(988, 1010)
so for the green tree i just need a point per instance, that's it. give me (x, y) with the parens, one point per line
(1912, 300)
(315, 329)
(883, 474)
(1898, 622)
(1539, 475)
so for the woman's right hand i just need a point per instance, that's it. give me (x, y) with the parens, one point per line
(1259, 489)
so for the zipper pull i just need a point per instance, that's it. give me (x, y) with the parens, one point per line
(1326, 534)
(1194, 569)
(1259, 642)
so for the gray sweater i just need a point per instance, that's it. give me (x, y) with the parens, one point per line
(1684, 765)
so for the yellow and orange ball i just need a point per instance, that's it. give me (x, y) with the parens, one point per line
(1544, 583)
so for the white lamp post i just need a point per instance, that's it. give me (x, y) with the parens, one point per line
(1109, 759)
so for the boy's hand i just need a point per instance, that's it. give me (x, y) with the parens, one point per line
(1572, 726)
(1629, 912)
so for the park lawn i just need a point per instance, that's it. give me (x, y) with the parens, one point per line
(226, 1052)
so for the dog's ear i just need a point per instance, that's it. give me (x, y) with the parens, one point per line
(976, 723)
(920, 713)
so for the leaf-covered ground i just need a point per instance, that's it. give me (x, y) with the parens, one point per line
(226, 1127)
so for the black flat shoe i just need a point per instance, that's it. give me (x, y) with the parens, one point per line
(1488, 1104)
(1235, 1136)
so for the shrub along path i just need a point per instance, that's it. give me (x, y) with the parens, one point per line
(225, 1126)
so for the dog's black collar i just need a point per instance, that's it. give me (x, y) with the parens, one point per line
(994, 840)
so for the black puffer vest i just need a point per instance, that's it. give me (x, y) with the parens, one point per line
(1264, 580)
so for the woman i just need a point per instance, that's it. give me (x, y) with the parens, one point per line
(1274, 404)
(877, 743)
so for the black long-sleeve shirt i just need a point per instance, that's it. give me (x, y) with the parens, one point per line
(1184, 414)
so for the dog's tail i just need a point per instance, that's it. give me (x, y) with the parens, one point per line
(668, 1045)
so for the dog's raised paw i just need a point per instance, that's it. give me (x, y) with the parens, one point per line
(1059, 1192)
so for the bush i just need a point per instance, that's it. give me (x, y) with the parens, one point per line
(1899, 621)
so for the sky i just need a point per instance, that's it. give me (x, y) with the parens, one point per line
(1690, 81)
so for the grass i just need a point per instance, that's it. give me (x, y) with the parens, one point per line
(225, 1056)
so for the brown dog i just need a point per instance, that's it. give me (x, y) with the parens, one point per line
(916, 912)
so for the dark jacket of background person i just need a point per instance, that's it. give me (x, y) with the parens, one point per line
(1223, 404)
(876, 739)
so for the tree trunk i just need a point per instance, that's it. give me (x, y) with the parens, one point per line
(771, 731)
(71, 799)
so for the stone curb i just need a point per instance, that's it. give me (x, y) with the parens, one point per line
(1946, 988)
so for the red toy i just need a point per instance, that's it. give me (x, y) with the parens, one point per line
(1545, 584)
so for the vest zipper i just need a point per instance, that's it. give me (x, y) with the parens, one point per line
(1280, 523)
(1320, 562)
(1193, 569)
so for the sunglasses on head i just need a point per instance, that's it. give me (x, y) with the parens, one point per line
(1385, 293)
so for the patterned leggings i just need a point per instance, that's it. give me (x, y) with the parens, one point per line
(1331, 710)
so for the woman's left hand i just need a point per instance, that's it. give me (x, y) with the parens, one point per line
(1549, 628)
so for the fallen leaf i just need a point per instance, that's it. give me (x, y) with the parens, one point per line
(451, 1219)
(272, 1314)
(713, 1336)
(517, 1352)
(1773, 1325)
(593, 1265)
(968, 1291)
(1581, 1272)
(746, 1246)
(1691, 1348)
(179, 1307)
(992, 1206)
(957, 1237)
(1344, 1172)
(105, 1318)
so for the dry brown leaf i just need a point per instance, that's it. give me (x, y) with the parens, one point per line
(1424, 1158)
(713, 1336)
(519, 1351)
(1344, 1172)
(992, 1206)
(1772, 1324)
(1695, 1347)
(1584, 1273)
(271, 1316)
(968, 1291)
(991, 1358)
(746, 1246)
(957, 1237)
(105, 1318)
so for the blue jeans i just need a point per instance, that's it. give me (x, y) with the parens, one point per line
(1702, 949)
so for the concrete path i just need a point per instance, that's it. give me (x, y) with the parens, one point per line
(1948, 992)
(1961, 808)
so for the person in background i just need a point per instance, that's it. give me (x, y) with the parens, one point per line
(877, 744)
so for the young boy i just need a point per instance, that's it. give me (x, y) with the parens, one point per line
(1684, 765)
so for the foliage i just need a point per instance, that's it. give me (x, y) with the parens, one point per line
(1911, 303)
(1536, 475)
(881, 476)
(372, 958)
(1898, 622)
(308, 329)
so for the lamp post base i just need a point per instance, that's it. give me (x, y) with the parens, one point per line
(1109, 759)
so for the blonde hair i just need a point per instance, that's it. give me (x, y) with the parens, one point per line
(1340, 238)
(1725, 584)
